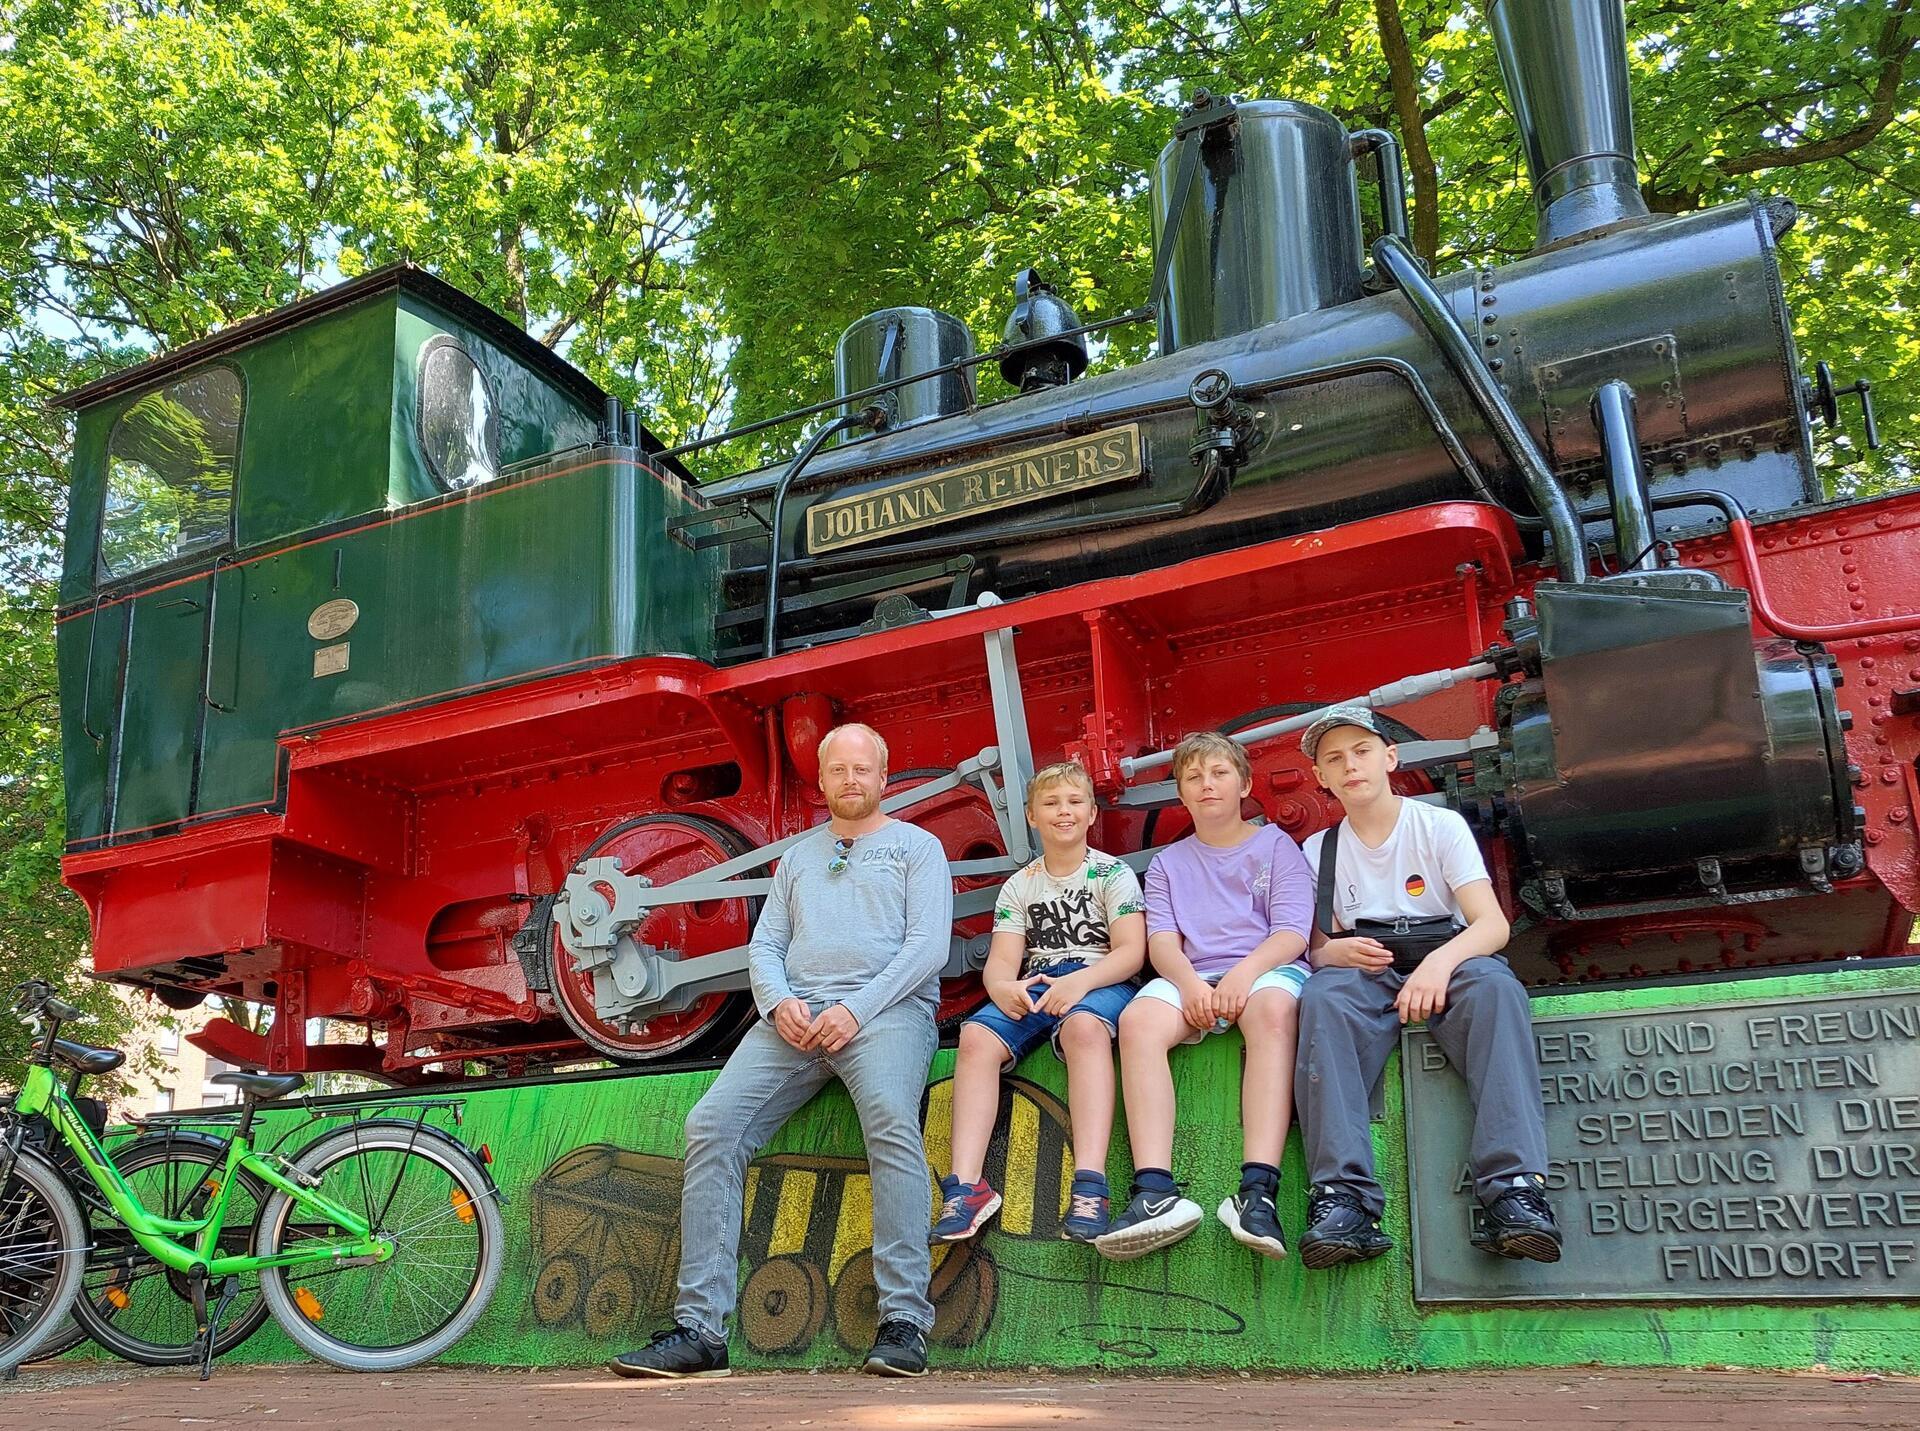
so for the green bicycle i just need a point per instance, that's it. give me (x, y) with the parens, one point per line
(377, 1247)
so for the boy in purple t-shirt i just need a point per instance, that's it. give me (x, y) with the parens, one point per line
(1229, 909)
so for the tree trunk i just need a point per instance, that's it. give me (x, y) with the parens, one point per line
(1404, 81)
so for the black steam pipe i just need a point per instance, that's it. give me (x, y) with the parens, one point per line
(874, 417)
(1633, 535)
(1395, 261)
(1393, 182)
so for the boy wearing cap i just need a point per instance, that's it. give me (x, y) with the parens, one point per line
(1228, 910)
(1406, 862)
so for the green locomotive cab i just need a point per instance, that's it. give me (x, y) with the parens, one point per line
(380, 496)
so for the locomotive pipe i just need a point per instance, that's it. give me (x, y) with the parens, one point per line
(1394, 693)
(873, 417)
(1633, 533)
(1395, 262)
(1740, 528)
(1393, 183)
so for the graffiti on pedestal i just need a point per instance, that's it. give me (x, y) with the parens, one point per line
(606, 1233)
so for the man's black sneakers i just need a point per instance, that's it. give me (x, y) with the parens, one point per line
(675, 1352)
(899, 1349)
(1340, 1229)
(1519, 1223)
(1151, 1220)
(1253, 1220)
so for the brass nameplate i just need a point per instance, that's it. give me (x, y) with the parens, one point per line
(1110, 455)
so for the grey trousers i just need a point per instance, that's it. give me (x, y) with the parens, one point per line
(764, 1083)
(1348, 1026)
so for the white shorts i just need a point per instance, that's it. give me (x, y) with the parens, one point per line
(1289, 977)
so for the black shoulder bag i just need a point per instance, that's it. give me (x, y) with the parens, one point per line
(1411, 940)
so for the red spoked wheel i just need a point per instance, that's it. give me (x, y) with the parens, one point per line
(963, 822)
(665, 848)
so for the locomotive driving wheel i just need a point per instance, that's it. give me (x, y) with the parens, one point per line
(665, 848)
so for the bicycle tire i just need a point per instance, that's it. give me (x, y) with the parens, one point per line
(140, 1295)
(448, 1198)
(43, 1251)
(68, 1336)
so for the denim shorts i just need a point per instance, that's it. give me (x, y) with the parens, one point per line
(1024, 1034)
(1290, 977)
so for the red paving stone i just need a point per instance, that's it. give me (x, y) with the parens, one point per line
(70, 1397)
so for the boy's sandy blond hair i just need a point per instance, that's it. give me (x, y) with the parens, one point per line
(1205, 744)
(1067, 772)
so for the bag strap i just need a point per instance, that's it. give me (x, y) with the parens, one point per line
(1323, 899)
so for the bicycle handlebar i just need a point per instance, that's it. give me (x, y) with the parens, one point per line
(34, 997)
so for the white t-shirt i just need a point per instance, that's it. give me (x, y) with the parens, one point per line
(1414, 874)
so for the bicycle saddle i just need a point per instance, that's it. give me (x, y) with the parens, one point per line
(85, 1058)
(261, 1085)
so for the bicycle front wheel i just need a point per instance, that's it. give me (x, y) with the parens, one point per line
(43, 1250)
(427, 1195)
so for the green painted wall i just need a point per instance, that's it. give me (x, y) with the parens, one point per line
(591, 1168)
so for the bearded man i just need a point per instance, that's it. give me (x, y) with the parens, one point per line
(845, 961)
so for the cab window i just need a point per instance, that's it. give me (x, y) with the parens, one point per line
(170, 464)
(459, 423)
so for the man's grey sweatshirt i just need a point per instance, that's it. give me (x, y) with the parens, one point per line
(867, 936)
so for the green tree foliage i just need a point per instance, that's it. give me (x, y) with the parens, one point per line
(691, 199)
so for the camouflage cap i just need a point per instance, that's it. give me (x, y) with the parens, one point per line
(1361, 716)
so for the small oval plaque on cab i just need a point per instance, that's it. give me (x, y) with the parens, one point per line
(333, 619)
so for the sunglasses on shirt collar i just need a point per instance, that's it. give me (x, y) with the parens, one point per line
(842, 848)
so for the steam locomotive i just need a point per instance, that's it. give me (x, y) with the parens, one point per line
(411, 685)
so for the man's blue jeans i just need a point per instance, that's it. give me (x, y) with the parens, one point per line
(765, 1083)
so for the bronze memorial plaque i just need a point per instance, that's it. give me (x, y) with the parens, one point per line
(1029, 475)
(1729, 1151)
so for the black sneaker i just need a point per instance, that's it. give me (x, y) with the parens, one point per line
(899, 1349)
(1519, 1223)
(675, 1352)
(1340, 1229)
(1150, 1221)
(1254, 1221)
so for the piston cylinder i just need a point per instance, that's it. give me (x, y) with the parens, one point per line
(1271, 226)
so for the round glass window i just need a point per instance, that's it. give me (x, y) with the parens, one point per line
(459, 423)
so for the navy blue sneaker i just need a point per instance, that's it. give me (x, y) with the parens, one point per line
(1152, 1220)
(964, 1209)
(1254, 1221)
(1340, 1229)
(899, 1349)
(1519, 1224)
(1088, 1210)
(678, 1351)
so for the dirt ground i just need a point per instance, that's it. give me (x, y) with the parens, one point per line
(90, 1396)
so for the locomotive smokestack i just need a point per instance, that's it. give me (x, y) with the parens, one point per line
(1565, 66)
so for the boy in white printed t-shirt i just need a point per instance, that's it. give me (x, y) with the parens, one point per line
(1069, 934)
(1399, 864)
